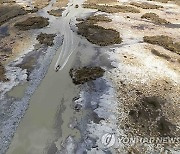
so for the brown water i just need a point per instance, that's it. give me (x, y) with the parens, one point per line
(46, 122)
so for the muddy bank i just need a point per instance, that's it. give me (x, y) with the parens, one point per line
(154, 18)
(46, 39)
(164, 41)
(112, 9)
(85, 74)
(56, 13)
(32, 23)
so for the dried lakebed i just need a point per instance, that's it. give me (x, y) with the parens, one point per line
(127, 85)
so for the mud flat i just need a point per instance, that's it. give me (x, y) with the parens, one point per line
(32, 23)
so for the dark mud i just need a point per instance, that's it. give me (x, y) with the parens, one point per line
(56, 13)
(98, 35)
(164, 41)
(8, 12)
(85, 74)
(32, 23)
(46, 39)
(112, 9)
(145, 115)
(155, 18)
(146, 5)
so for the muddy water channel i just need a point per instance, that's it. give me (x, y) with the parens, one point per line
(45, 125)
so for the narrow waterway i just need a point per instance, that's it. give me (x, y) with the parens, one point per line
(46, 123)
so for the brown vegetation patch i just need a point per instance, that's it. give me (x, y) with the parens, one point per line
(157, 53)
(154, 18)
(164, 41)
(7, 1)
(32, 23)
(56, 13)
(40, 4)
(85, 74)
(2, 73)
(95, 18)
(8, 12)
(98, 35)
(146, 5)
(46, 39)
(166, 1)
(101, 1)
(112, 9)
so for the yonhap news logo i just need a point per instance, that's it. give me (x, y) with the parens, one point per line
(109, 140)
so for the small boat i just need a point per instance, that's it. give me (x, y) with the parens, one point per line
(57, 68)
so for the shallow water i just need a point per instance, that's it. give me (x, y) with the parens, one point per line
(46, 123)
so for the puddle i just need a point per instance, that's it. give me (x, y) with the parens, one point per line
(18, 91)
(4, 31)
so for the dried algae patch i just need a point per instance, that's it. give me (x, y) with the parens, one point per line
(56, 13)
(98, 35)
(154, 18)
(85, 74)
(95, 18)
(101, 1)
(164, 41)
(112, 9)
(98, 18)
(32, 23)
(2, 73)
(46, 39)
(166, 1)
(8, 12)
(146, 5)
(157, 53)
